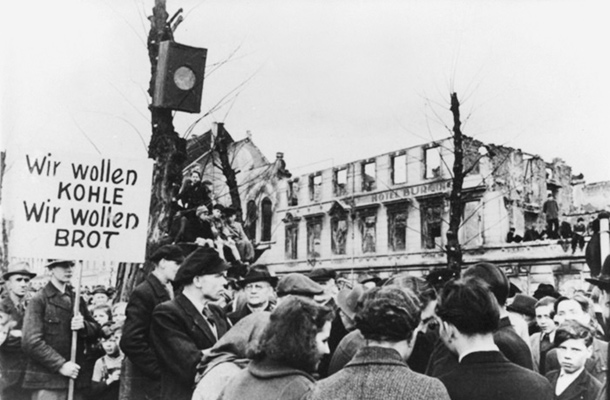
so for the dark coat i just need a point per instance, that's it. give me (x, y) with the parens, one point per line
(266, 380)
(244, 311)
(508, 341)
(12, 359)
(489, 375)
(585, 387)
(179, 333)
(596, 365)
(47, 338)
(141, 374)
(378, 373)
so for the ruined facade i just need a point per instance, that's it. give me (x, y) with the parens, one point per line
(390, 213)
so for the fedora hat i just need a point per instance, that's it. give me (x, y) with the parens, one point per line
(347, 300)
(602, 280)
(18, 268)
(258, 274)
(523, 304)
(59, 263)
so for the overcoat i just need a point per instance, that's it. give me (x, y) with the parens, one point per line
(12, 359)
(488, 375)
(47, 337)
(268, 380)
(378, 373)
(141, 375)
(585, 387)
(179, 333)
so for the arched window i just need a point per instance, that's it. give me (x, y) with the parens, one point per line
(266, 216)
(251, 219)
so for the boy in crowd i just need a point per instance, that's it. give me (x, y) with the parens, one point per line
(541, 342)
(105, 380)
(572, 381)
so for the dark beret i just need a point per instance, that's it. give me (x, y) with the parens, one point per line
(298, 284)
(322, 274)
(203, 261)
(169, 252)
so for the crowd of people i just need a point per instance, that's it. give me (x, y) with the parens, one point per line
(190, 333)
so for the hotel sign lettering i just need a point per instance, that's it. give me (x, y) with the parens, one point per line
(407, 192)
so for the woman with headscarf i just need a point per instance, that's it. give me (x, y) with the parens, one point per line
(228, 356)
(288, 353)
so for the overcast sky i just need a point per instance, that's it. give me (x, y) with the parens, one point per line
(327, 81)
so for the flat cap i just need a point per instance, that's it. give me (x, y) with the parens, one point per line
(322, 274)
(298, 284)
(169, 252)
(59, 263)
(100, 289)
(203, 261)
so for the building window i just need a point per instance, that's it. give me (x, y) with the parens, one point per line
(432, 159)
(369, 179)
(397, 227)
(293, 192)
(314, 237)
(399, 169)
(339, 234)
(315, 187)
(470, 229)
(266, 218)
(367, 223)
(340, 182)
(292, 238)
(251, 219)
(432, 219)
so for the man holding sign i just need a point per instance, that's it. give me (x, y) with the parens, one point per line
(47, 334)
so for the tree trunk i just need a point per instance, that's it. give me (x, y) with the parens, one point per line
(454, 250)
(167, 149)
(221, 147)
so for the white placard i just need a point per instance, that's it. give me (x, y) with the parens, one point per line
(79, 207)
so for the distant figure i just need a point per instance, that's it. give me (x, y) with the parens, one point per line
(233, 230)
(551, 210)
(578, 236)
(530, 234)
(193, 192)
(511, 237)
(565, 230)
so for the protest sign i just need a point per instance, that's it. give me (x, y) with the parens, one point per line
(79, 207)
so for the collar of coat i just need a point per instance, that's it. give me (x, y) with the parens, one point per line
(376, 355)
(267, 369)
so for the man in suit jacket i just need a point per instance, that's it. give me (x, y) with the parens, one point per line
(12, 359)
(511, 345)
(183, 327)
(542, 342)
(469, 316)
(141, 375)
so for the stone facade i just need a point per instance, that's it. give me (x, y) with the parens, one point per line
(390, 213)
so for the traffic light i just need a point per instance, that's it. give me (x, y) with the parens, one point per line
(179, 79)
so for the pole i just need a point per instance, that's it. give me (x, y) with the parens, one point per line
(604, 238)
(75, 312)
